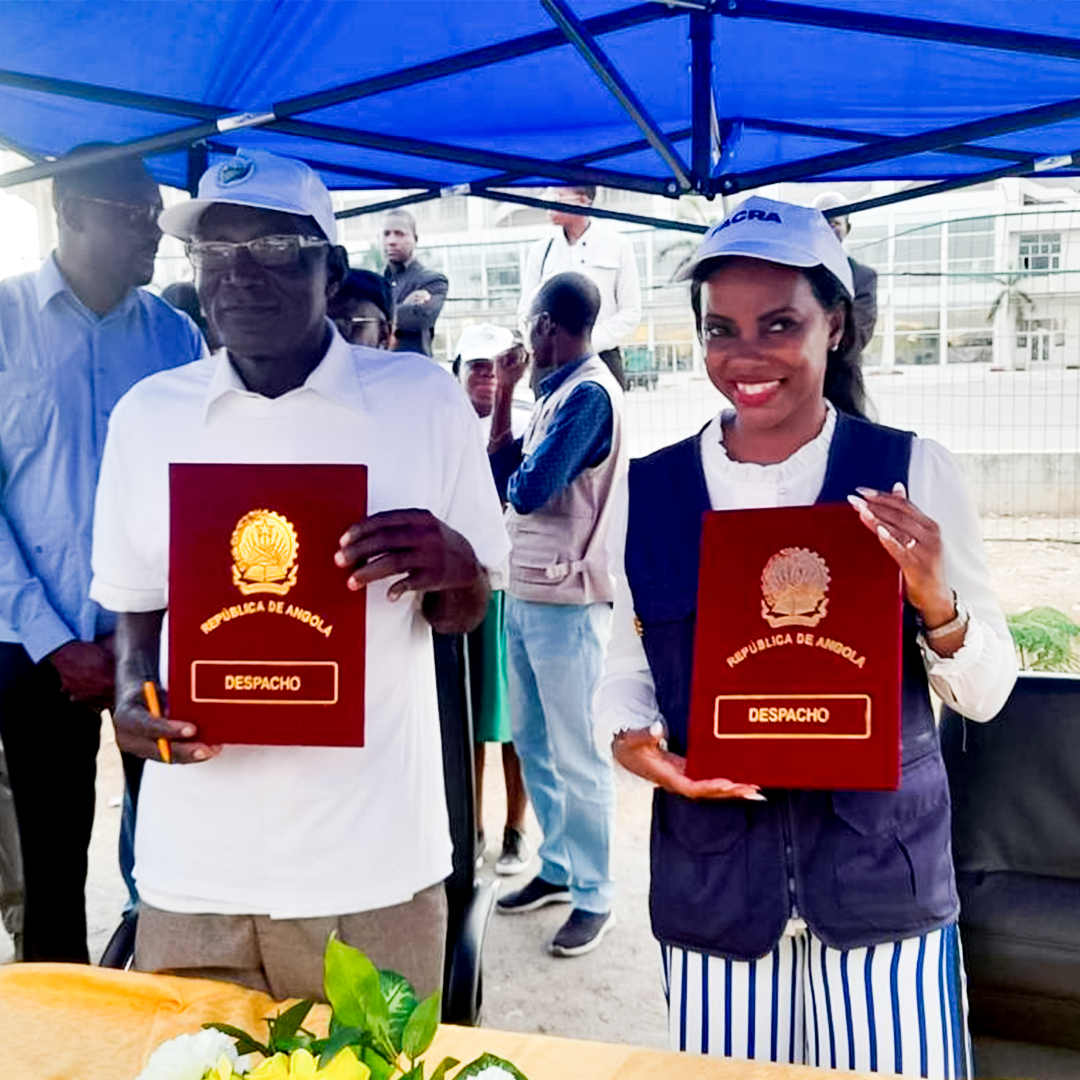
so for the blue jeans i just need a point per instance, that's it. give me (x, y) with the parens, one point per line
(555, 655)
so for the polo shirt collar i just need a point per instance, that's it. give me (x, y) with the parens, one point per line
(336, 377)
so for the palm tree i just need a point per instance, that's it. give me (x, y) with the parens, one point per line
(1011, 298)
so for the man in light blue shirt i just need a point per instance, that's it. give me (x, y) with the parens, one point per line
(74, 337)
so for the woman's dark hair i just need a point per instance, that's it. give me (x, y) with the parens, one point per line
(844, 385)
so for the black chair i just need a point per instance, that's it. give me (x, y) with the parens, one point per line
(1016, 840)
(470, 901)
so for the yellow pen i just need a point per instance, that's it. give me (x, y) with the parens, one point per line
(154, 708)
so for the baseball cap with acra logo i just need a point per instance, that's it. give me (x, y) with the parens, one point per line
(775, 232)
(260, 179)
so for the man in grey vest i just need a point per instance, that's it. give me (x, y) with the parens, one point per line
(559, 481)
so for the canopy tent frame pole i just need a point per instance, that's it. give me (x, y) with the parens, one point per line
(542, 41)
(178, 107)
(156, 144)
(815, 131)
(482, 159)
(198, 161)
(620, 150)
(583, 211)
(390, 204)
(886, 149)
(701, 100)
(608, 74)
(902, 26)
(582, 174)
(1034, 165)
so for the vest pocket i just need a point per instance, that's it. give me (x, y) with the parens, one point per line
(892, 859)
(923, 788)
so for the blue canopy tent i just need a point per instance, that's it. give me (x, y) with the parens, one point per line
(706, 96)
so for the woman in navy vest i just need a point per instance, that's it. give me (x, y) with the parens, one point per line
(801, 926)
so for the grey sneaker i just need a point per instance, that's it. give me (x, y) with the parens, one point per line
(534, 895)
(515, 852)
(581, 933)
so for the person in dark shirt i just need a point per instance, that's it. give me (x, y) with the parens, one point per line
(418, 292)
(363, 310)
(864, 306)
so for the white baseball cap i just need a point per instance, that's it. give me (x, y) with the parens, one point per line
(260, 179)
(776, 232)
(483, 342)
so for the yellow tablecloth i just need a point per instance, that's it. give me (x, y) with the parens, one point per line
(62, 1022)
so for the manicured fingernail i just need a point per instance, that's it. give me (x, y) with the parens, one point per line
(911, 543)
(885, 534)
(899, 489)
(339, 558)
(867, 492)
(354, 584)
(344, 539)
(755, 796)
(187, 732)
(858, 503)
(199, 755)
(656, 730)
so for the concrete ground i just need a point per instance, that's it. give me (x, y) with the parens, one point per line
(613, 994)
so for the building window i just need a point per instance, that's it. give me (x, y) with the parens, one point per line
(1040, 251)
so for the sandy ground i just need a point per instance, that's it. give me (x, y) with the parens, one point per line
(613, 994)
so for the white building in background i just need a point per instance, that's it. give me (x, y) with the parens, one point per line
(988, 275)
(984, 275)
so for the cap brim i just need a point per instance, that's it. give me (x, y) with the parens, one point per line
(181, 220)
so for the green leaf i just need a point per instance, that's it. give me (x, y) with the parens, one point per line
(422, 1025)
(381, 1069)
(328, 1048)
(415, 1073)
(1045, 639)
(353, 990)
(245, 1044)
(401, 1001)
(487, 1061)
(284, 1026)
(445, 1066)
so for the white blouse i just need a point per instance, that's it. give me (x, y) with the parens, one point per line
(975, 681)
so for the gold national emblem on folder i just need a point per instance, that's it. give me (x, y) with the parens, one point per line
(793, 585)
(264, 547)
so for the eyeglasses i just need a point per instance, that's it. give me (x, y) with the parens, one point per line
(532, 320)
(274, 252)
(130, 215)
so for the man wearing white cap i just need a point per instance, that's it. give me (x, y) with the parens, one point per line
(248, 857)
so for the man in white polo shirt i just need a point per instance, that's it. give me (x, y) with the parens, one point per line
(248, 856)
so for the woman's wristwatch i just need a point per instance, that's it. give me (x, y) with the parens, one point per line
(958, 622)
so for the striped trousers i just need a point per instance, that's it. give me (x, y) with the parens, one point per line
(900, 1007)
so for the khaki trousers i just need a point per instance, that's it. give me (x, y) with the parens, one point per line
(284, 957)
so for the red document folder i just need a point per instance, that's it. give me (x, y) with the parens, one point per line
(266, 641)
(797, 655)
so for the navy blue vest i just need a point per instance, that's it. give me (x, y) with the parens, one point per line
(860, 867)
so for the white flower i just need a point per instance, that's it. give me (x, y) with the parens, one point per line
(187, 1057)
(494, 1072)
